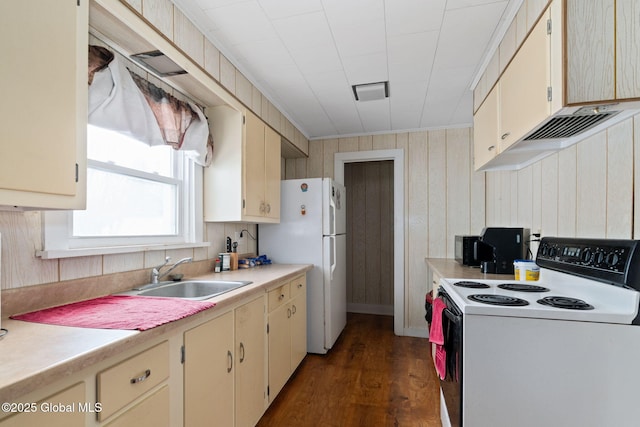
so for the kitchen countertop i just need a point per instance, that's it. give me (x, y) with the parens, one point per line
(451, 269)
(25, 367)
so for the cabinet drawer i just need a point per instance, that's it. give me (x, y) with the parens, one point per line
(120, 384)
(278, 296)
(154, 411)
(298, 285)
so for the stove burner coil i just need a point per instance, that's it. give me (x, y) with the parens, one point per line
(498, 300)
(522, 287)
(565, 302)
(473, 285)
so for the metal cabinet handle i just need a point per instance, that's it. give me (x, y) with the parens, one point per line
(230, 358)
(288, 313)
(241, 352)
(281, 297)
(505, 135)
(491, 148)
(268, 209)
(299, 285)
(294, 309)
(142, 377)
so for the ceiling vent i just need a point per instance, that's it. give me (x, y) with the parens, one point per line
(371, 91)
(158, 63)
(570, 125)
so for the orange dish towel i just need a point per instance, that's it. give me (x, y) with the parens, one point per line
(436, 335)
(118, 312)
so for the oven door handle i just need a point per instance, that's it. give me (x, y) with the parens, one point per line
(456, 319)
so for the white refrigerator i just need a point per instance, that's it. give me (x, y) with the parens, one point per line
(312, 230)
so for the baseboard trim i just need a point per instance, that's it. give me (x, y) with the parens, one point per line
(379, 309)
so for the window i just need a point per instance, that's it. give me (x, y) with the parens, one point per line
(136, 195)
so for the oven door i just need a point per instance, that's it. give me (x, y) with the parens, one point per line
(451, 385)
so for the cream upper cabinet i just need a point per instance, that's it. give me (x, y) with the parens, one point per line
(44, 104)
(590, 50)
(485, 130)
(524, 98)
(243, 181)
(262, 171)
(627, 49)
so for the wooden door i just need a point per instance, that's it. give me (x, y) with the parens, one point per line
(590, 50)
(370, 235)
(627, 50)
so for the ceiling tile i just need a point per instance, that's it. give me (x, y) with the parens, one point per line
(276, 9)
(304, 55)
(413, 16)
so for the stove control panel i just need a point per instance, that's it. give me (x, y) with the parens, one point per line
(599, 256)
(610, 260)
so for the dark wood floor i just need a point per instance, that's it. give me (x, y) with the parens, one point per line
(370, 378)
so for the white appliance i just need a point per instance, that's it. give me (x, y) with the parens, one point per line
(312, 230)
(528, 363)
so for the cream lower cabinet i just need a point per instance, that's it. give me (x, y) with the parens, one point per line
(224, 369)
(43, 414)
(44, 104)
(287, 332)
(208, 373)
(142, 378)
(298, 291)
(243, 181)
(251, 359)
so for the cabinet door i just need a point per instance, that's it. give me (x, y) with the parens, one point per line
(298, 325)
(71, 418)
(208, 373)
(523, 87)
(627, 51)
(485, 130)
(153, 411)
(279, 349)
(250, 363)
(590, 50)
(254, 167)
(44, 103)
(272, 173)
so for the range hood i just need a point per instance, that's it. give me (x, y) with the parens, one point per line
(566, 127)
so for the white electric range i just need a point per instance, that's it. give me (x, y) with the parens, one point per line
(528, 363)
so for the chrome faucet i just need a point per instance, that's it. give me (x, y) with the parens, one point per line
(155, 273)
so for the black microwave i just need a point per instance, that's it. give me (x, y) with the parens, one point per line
(466, 250)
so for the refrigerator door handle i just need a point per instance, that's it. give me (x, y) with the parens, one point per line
(332, 256)
(332, 218)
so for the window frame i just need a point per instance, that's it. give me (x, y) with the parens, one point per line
(58, 241)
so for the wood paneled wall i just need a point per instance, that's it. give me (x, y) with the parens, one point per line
(443, 196)
(370, 236)
(586, 190)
